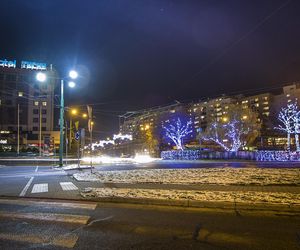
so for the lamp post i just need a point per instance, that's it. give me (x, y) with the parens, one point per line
(73, 75)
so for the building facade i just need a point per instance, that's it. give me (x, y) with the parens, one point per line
(266, 104)
(26, 105)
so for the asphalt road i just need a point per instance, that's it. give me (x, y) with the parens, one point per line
(42, 181)
(32, 224)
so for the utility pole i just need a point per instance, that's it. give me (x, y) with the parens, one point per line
(61, 123)
(18, 128)
(90, 127)
(70, 134)
(67, 143)
(40, 132)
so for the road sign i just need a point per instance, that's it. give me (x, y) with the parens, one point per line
(77, 135)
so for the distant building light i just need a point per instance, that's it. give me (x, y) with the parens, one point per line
(3, 141)
(36, 103)
(44, 103)
(20, 94)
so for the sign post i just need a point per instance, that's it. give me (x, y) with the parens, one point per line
(90, 127)
(77, 138)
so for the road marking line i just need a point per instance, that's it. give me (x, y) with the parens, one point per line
(40, 188)
(89, 206)
(66, 218)
(68, 241)
(26, 187)
(66, 186)
(37, 167)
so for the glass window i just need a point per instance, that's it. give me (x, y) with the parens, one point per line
(35, 119)
(36, 103)
(44, 128)
(20, 94)
(44, 111)
(35, 111)
(44, 120)
(35, 128)
(44, 103)
(11, 78)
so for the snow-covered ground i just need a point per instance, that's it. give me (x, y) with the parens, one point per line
(220, 176)
(248, 197)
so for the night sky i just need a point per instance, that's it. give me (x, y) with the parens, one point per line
(146, 53)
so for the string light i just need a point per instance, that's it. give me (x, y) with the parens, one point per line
(178, 131)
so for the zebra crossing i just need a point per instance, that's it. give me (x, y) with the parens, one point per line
(44, 187)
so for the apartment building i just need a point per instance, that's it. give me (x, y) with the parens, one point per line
(266, 104)
(26, 106)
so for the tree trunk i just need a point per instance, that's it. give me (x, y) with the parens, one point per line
(297, 142)
(288, 142)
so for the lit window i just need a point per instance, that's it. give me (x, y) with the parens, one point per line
(265, 103)
(288, 95)
(256, 99)
(265, 98)
(289, 100)
(256, 104)
(36, 103)
(20, 94)
(44, 103)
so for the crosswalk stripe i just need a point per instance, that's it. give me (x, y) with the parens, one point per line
(40, 188)
(26, 187)
(67, 241)
(88, 206)
(67, 218)
(68, 186)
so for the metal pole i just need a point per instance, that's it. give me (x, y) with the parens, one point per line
(91, 138)
(18, 143)
(70, 134)
(67, 143)
(61, 123)
(40, 132)
(78, 152)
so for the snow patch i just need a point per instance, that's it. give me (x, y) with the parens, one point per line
(210, 196)
(220, 176)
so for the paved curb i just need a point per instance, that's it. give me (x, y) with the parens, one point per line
(201, 204)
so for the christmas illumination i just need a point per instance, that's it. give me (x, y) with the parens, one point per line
(289, 116)
(238, 127)
(181, 155)
(228, 136)
(178, 131)
(122, 137)
(265, 155)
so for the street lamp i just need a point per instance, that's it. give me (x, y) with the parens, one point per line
(41, 77)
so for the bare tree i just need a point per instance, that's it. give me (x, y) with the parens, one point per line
(178, 130)
(235, 129)
(289, 116)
